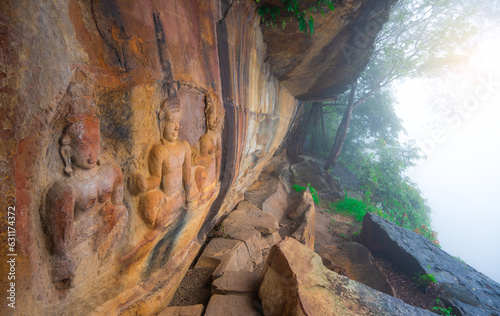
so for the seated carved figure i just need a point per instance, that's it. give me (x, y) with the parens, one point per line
(208, 153)
(87, 205)
(169, 162)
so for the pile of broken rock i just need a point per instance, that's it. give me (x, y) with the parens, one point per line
(274, 223)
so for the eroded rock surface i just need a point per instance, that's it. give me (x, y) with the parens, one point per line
(469, 291)
(295, 282)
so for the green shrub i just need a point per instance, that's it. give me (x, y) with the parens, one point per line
(442, 310)
(351, 207)
(424, 279)
(314, 193)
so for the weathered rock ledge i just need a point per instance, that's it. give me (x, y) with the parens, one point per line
(468, 291)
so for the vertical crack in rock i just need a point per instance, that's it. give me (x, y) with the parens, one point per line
(229, 139)
(162, 47)
(101, 17)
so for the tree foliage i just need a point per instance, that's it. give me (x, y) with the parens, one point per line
(300, 11)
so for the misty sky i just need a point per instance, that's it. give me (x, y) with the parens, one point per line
(461, 176)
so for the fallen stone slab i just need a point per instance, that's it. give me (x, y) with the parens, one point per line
(269, 193)
(250, 237)
(251, 215)
(193, 310)
(357, 262)
(223, 255)
(232, 305)
(295, 282)
(467, 290)
(237, 282)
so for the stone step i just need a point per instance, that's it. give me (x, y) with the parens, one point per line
(233, 305)
(193, 310)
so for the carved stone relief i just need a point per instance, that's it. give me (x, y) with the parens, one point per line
(168, 186)
(87, 203)
(207, 152)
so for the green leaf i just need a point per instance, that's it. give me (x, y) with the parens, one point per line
(311, 26)
(283, 23)
(302, 25)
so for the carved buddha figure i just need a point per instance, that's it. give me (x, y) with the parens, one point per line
(87, 205)
(169, 162)
(209, 156)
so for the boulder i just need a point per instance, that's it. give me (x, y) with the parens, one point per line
(232, 305)
(193, 310)
(225, 255)
(240, 282)
(358, 265)
(467, 290)
(295, 282)
(310, 172)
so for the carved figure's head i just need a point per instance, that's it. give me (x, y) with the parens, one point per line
(171, 117)
(210, 112)
(81, 144)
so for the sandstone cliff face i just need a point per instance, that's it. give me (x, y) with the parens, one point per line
(128, 129)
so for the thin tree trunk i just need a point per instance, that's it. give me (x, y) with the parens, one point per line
(322, 120)
(300, 140)
(341, 131)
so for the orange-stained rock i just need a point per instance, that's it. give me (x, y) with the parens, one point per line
(295, 282)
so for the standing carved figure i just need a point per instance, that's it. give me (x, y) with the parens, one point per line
(85, 206)
(168, 187)
(208, 152)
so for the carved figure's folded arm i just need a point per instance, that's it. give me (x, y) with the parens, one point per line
(60, 218)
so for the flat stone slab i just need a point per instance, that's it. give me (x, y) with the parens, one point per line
(193, 310)
(295, 282)
(249, 235)
(232, 305)
(251, 215)
(233, 282)
(469, 291)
